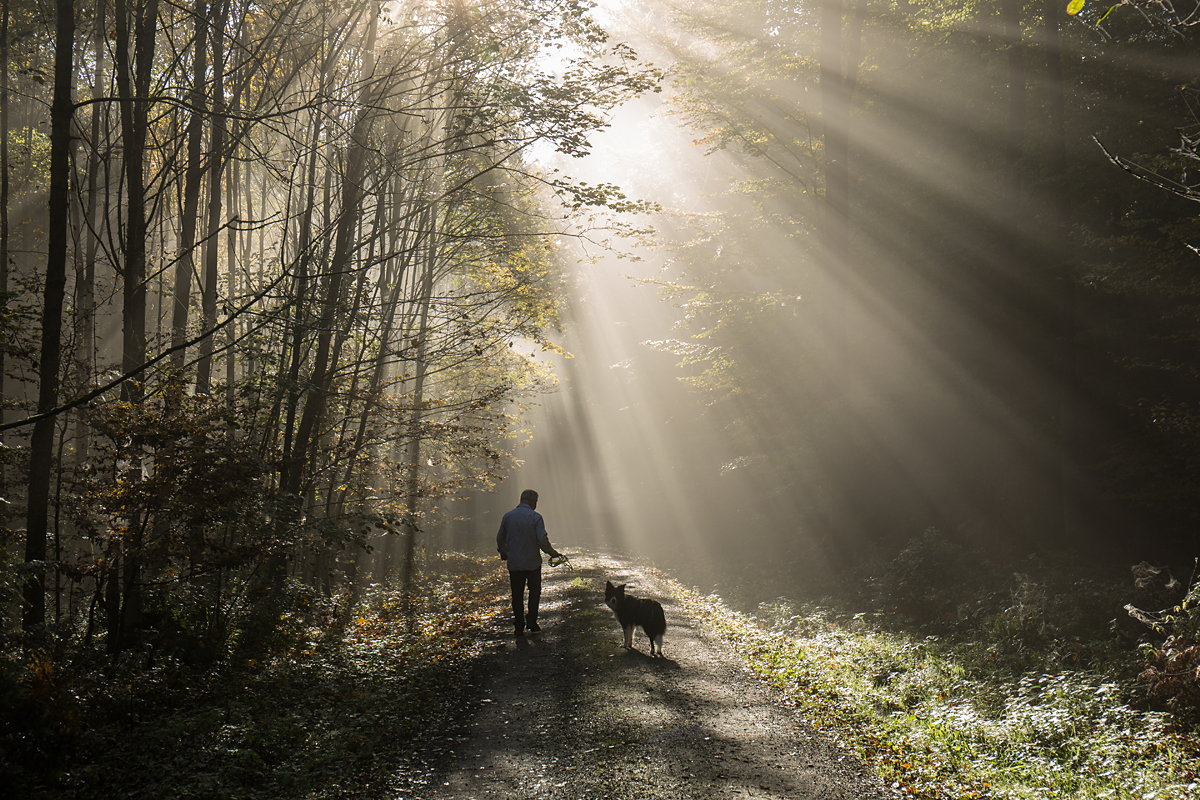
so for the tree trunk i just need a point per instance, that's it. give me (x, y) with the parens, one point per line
(4, 12)
(212, 244)
(41, 447)
(194, 174)
(412, 478)
(289, 382)
(320, 381)
(387, 323)
(297, 447)
(231, 265)
(133, 84)
(85, 289)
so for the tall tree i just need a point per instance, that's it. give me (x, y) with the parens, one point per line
(216, 167)
(41, 447)
(134, 62)
(4, 227)
(85, 285)
(193, 177)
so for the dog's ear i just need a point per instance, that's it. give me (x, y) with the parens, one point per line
(622, 587)
(608, 587)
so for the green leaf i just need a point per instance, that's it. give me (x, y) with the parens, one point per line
(1074, 7)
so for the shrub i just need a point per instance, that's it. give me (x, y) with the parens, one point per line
(932, 580)
(1171, 669)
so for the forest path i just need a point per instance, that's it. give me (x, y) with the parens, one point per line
(569, 713)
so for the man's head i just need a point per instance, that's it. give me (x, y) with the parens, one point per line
(529, 498)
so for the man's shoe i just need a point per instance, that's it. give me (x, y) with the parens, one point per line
(519, 632)
(535, 628)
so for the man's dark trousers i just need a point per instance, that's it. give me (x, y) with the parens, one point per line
(518, 578)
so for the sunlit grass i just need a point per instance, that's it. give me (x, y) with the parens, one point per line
(917, 710)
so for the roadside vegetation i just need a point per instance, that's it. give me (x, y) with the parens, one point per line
(335, 707)
(969, 681)
(1029, 684)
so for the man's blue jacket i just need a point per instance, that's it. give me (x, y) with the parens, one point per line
(522, 533)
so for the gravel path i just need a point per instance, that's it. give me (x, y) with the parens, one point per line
(569, 713)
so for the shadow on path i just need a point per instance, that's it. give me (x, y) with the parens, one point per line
(569, 713)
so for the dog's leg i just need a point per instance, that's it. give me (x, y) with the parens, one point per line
(657, 639)
(628, 637)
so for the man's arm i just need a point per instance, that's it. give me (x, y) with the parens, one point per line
(543, 538)
(502, 542)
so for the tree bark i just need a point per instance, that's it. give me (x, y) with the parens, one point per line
(85, 290)
(320, 380)
(133, 85)
(41, 447)
(412, 478)
(387, 322)
(193, 176)
(4, 12)
(208, 302)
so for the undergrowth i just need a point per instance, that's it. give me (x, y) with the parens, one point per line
(336, 708)
(944, 717)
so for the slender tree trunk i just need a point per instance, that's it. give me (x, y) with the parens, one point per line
(194, 175)
(231, 266)
(387, 323)
(4, 12)
(412, 478)
(41, 447)
(297, 447)
(212, 244)
(133, 84)
(320, 381)
(85, 358)
(85, 280)
(288, 391)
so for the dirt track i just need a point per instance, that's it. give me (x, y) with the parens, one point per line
(568, 713)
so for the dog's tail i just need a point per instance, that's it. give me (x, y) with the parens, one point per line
(658, 622)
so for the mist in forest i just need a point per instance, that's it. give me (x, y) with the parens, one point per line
(303, 295)
(741, 403)
(875, 318)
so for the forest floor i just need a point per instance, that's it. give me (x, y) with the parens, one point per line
(569, 713)
(429, 696)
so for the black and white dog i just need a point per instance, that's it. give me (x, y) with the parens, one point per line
(632, 612)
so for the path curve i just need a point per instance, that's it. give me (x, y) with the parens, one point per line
(569, 713)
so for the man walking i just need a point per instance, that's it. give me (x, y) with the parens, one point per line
(522, 533)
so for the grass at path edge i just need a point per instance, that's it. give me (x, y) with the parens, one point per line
(908, 708)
